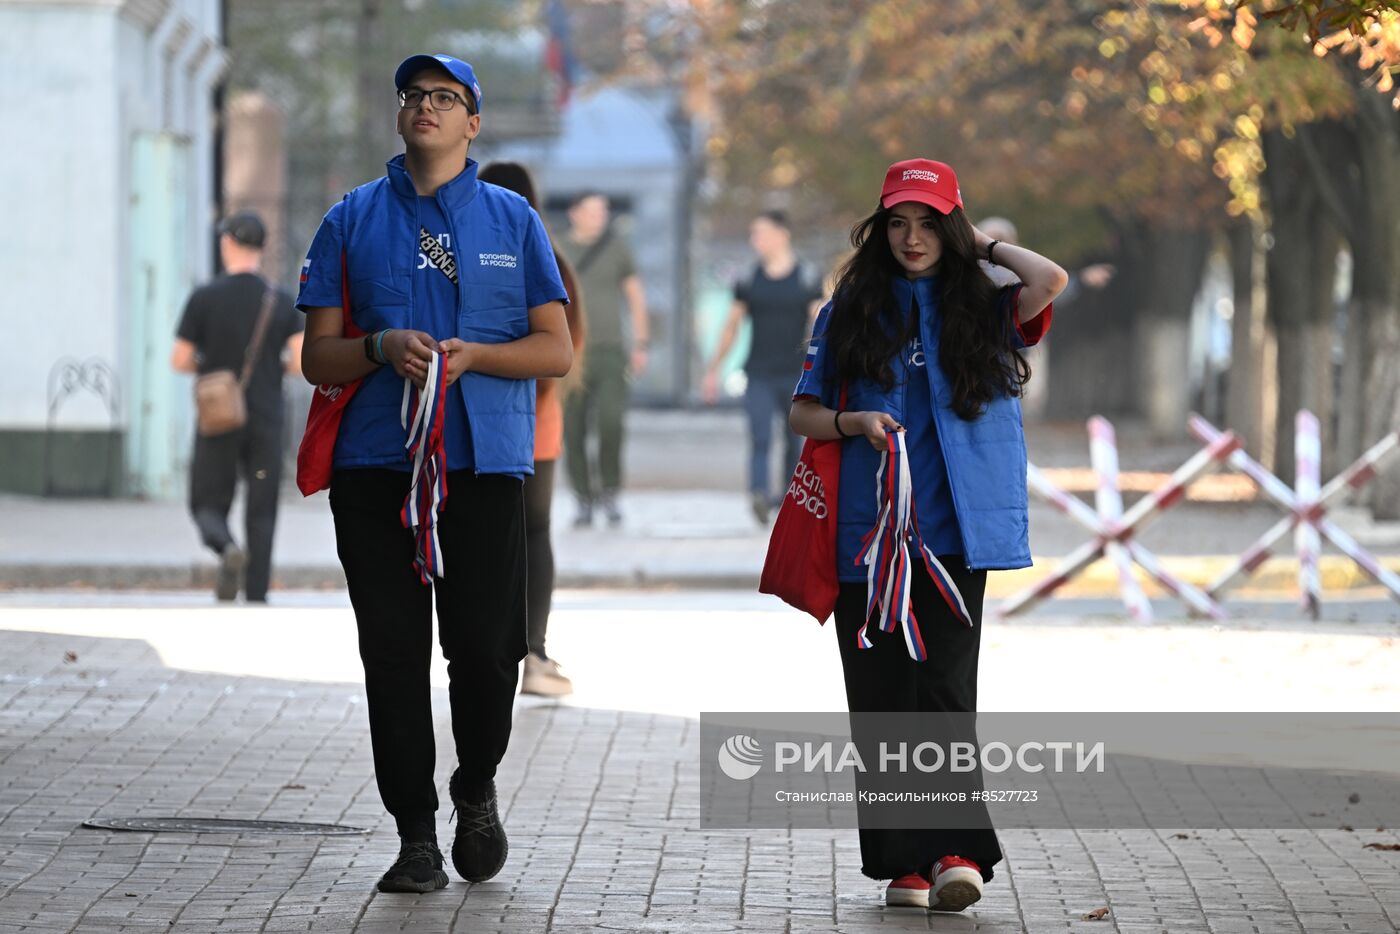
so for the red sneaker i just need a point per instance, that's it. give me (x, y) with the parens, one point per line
(909, 891)
(957, 883)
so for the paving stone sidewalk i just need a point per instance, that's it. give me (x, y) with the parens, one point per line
(601, 806)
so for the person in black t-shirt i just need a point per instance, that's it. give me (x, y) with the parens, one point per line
(214, 334)
(780, 297)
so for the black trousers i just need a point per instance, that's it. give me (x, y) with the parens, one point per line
(255, 451)
(884, 678)
(539, 498)
(481, 624)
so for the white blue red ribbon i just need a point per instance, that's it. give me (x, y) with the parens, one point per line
(889, 566)
(428, 489)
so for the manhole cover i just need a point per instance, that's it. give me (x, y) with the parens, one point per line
(217, 825)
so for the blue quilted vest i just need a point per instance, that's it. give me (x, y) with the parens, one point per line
(986, 457)
(488, 226)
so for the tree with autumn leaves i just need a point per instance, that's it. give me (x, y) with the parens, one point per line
(1143, 133)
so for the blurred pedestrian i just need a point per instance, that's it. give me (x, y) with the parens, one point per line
(542, 675)
(1095, 277)
(243, 329)
(607, 274)
(920, 344)
(440, 271)
(780, 296)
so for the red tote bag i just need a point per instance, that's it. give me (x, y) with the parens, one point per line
(317, 450)
(800, 568)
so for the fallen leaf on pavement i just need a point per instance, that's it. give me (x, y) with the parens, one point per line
(70, 657)
(1389, 847)
(1098, 914)
(293, 787)
(1353, 798)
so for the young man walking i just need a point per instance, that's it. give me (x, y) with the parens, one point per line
(219, 330)
(610, 285)
(780, 296)
(439, 270)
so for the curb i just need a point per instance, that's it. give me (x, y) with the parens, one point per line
(1276, 577)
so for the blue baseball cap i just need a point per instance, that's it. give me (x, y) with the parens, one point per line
(453, 66)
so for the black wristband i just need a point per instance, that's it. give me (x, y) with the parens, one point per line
(837, 419)
(369, 348)
(990, 247)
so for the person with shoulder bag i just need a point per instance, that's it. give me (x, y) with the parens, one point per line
(239, 334)
(915, 370)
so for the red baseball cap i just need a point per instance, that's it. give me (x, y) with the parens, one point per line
(924, 181)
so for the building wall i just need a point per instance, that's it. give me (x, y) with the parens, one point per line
(110, 101)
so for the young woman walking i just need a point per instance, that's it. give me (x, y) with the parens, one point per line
(542, 675)
(920, 343)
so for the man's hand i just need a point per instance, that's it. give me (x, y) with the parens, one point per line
(1097, 276)
(709, 388)
(639, 361)
(408, 352)
(460, 355)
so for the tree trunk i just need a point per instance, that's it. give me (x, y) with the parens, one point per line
(1170, 261)
(1375, 304)
(370, 97)
(1091, 335)
(1302, 264)
(1352, 165)
(1251, 401)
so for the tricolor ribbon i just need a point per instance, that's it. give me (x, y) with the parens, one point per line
(425, 448)
(885, 553)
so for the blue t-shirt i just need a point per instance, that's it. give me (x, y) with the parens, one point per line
(933, 497)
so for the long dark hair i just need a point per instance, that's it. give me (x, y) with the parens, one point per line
(865, 332)
(517, 178)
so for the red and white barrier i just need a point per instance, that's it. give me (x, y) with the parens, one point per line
(1114, 529)
(1307, 510)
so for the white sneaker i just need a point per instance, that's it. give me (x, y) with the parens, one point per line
(543, 678)
(909, 891)
(957, 883)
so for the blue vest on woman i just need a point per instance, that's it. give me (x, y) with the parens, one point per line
(488, 225)
(985, 458)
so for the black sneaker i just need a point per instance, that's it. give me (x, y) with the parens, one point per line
(611, 508)
(479, 848)
(230, 577)
(584, 519)
(418, 869)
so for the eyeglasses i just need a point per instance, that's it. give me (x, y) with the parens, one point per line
(440, 99)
